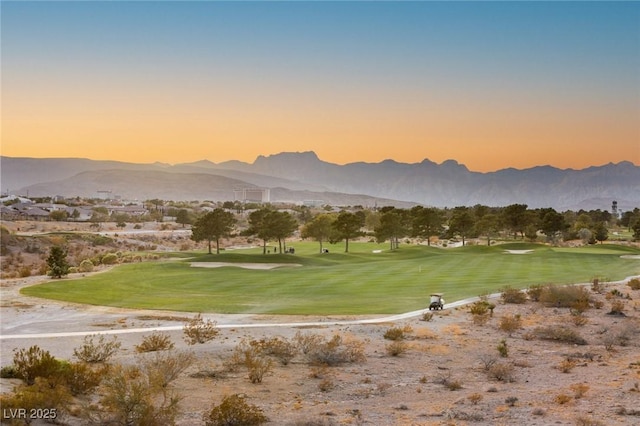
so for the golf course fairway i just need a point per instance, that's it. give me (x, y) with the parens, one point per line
(369, 279)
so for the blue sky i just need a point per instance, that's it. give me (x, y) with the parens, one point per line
(491, 84)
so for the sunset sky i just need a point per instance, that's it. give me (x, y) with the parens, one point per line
(491, 85)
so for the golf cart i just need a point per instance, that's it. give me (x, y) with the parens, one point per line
(437, 302)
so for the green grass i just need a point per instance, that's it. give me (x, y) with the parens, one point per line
(359, 282)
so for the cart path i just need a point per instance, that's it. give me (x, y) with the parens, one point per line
(385, 319)
(379, 320)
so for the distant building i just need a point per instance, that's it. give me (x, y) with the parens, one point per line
(252, 195)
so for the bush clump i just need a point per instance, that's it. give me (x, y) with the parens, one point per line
(197, 330)
(155, 342)
(336, 351)
(559, 333)
(634, 284)
(565, 296)
(234, 411)
(98, 351)
(514, 295)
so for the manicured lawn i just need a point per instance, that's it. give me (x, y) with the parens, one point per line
(360, 282)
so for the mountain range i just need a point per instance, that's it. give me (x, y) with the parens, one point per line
(299, 176)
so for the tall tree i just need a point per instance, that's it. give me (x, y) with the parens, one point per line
(57, 262)
(427, 222)
(183, 217)
(260, 227)
(552, 223)
(319, 228)
(488, 225)
(282, 225)
(213, 226)
(393, 225)
(515, 218)
(461, 222)
(600, 232)
(347, 226)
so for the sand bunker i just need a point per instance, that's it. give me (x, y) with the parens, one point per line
(518, 251)
(631, 256)
(262, 266)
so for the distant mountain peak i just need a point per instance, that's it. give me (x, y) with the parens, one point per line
(300, 155)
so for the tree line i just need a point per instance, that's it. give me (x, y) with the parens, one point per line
(392, 224)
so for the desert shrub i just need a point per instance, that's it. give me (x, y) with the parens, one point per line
(487, 360)
(155, 342)
(395, 333)
(234, 411)
(24, 272)
(617, 307)
(197, 330)
(475, 398)
(564, 296)
(511, 401)
(426, 316)
(634, 284)
(503, 349)
(8, 372)
(336, 351)
(85, 266)
(445, 379)
(81, 378)
(481, 311)
(250, 356)
(510, 323)
(513, 295)
(129, 396)
(162, 368)
(396, 348)
(597, 286)
(559, 333)
(562, 399)
(578, 319)
(93, 351)
(535, 291)
(502, 372)
(579, 390)
(566, 365)
(109, 259)
(277, 347)
(36, 362)
(307, 342)
(326, 384)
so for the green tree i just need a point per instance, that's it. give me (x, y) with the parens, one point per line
(393, 225)
(461, 222)
(319, 228)
(347, 226)
(488, 225)
(600, 232)
(282, 225)
(515, 218)
(183, 217)
(260, 227)
(636, 230)
(552, 223)
(213, 226)
(57, 262)
(427, 222)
